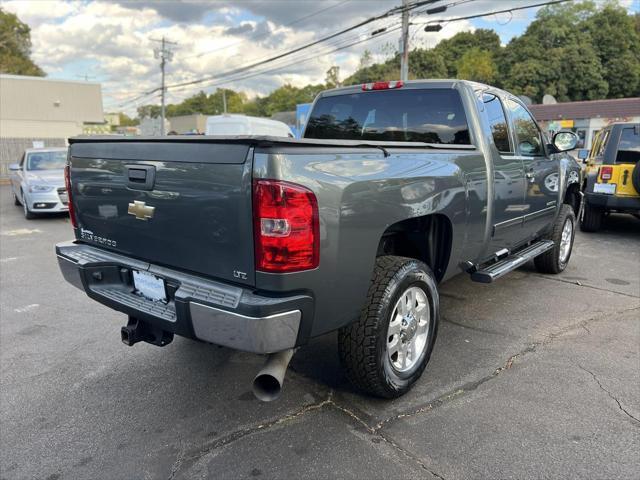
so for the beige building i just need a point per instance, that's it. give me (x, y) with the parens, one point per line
(586, 118)
(45, 111)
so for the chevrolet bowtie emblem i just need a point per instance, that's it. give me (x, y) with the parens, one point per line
(140, 210)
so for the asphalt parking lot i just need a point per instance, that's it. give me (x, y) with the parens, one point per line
(535, 376)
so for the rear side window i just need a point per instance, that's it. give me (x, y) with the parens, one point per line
(629, 146)
(497, 122)
(411, 115)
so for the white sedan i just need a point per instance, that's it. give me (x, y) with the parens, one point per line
(37, 182)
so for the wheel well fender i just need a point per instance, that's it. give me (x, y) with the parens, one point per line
(427, 238)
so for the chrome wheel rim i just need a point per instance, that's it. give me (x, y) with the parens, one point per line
(565, 240)
(408, 329)
(551, 182)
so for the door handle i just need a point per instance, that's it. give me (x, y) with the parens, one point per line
(140, 177)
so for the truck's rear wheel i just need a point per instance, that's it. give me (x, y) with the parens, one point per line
(563, 233)
(387, 349)
(591, 220)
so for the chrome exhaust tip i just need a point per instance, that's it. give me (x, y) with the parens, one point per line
(267, 385)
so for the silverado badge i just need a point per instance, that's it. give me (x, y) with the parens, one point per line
(140, 210)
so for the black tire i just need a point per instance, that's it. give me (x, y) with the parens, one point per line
(591, 220)
(552, 261)
(635, 177)
(363, 344)
(16, 202)
(28, 214)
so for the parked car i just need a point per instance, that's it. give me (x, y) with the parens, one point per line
(37, 182)
(612, 180)
(235, 124)
(260, 244)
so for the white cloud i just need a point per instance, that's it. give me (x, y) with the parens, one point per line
(112, 41)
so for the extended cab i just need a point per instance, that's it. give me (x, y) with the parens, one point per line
(261, 243)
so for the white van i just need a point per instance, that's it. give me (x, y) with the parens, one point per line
(235, 124)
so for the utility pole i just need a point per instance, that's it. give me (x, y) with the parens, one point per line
(165, 55)
(224, 100)
(404, 42)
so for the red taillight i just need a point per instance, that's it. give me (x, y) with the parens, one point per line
(382, 85)
(67, 183)
(606, 173)
(285, 227)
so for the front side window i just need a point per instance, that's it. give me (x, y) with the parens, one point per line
(411, 115)
(47, 160)
(497, 122)
(629, 146)
(527, 133)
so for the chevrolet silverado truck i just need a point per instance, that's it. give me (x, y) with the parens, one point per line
(262, 243)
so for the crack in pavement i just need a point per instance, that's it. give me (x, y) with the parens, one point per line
(178, 462)
(609, 394)
(376, 430)
(241, 433)
(471, 386)
(571, 282)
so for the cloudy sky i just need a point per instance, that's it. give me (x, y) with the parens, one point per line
(112, 42)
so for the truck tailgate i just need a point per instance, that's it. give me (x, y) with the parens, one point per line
(183, 205)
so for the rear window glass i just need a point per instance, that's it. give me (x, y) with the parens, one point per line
(431, 116)
(629, 146)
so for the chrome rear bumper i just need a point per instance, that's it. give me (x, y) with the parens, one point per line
(196, 307)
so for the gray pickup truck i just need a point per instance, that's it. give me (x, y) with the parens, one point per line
(262, 243)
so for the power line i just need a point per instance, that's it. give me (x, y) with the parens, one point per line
(449, 20)
(399, 9)
(296, 62)
(306, 46)
(262, 35)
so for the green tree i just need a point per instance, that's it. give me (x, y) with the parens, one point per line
(365, 60)
(15, 47)
(452, 49)
(477, 65)
(126, 120)
(332, 78)
(616, 41)
(555, 56)
(426, 64)
(148, 111)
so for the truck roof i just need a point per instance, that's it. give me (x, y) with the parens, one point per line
(265, 141)
(422, 83)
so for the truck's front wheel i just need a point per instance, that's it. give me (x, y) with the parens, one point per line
(387, 349)
(562, 234)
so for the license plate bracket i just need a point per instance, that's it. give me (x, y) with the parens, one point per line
(149, 286)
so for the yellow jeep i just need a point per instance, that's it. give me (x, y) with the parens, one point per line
(612, 180)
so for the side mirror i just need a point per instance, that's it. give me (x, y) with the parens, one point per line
(14, 167)
(565, 141)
